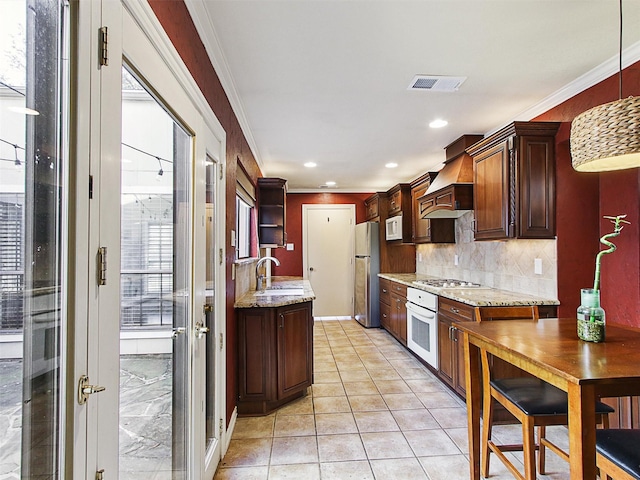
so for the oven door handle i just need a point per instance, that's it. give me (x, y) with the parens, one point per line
(420, 311)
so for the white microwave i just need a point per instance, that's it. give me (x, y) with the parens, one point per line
(394, 228)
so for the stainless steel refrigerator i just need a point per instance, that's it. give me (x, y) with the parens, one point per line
(367, 262)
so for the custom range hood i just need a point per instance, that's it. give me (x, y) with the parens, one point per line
(451, 193)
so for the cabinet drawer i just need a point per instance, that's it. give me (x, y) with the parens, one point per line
(385, 291)
(456, 310)
(399, 289)
(385, 316)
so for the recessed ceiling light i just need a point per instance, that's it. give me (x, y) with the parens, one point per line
(439, 123)
(391, 165)
(330, 184)
(310, 164)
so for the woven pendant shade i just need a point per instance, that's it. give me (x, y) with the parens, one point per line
(607, 137)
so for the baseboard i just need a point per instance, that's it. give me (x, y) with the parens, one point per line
(229, 433)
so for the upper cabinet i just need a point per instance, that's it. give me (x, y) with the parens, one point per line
(399, 203)
(514, 182)
(272, 203)
(424, 230)
(373, 208)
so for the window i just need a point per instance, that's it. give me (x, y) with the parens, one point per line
(244, 213)
(246, 241)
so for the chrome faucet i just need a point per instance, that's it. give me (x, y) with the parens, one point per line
(260, 276)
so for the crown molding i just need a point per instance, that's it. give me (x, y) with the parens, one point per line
(204, 27)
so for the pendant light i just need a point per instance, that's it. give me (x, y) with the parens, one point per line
(607, 137)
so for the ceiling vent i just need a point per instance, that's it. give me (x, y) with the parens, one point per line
(435, 83)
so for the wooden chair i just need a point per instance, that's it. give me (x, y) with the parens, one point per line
(618, 454)
(534, 403)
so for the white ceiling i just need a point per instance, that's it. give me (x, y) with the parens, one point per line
(326, 80)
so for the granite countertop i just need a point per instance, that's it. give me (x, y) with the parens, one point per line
(254, 299)
(476, 297)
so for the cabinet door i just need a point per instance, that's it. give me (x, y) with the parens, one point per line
(459, 380)
(385, 316)
(491, 193)
(295, 348)
(256, 343)
(372, 207)
(537, 190)
(445, 350)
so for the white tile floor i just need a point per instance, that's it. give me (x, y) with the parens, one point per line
(374, 412)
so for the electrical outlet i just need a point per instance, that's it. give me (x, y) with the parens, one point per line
(537, 266)
(456, 260)
(233, 238)
(419, 257)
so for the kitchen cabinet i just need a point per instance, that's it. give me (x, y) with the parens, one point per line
(275, 356)
(272, 214)
(451, 364)
(424, 230)
(373, 208)
(399, 203)
(514, 182)
(393, 309)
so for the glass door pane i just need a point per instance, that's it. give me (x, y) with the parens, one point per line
(211, 429)
(33, 192)
(155, 287)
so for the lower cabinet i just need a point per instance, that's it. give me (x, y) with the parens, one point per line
(451, 364)
(275, 356)
(393, 309)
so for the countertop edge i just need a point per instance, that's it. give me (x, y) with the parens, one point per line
(251, 300)
(485, 297)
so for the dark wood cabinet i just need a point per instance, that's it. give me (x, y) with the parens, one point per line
(451, 364)
(393, 309)
(399, 203)
(514, 182)
(272, 213)
(275, 356)
(424, 230)
(372, 207)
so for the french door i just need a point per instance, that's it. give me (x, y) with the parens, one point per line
(111, 195)
(159, 201)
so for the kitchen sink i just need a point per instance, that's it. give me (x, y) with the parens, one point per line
(280, 291)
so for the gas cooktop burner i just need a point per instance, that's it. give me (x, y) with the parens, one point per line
(447, 283)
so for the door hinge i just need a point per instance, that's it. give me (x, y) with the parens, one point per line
(221, 341)
(220, 427)
(90, 187)
(220, 171)
(102, 266)
(100, 474)
(220, 256)
(104, 46)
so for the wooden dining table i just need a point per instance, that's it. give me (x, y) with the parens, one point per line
(550, 349)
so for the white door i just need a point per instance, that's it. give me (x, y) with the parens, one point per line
(156, 175)
(328, 257)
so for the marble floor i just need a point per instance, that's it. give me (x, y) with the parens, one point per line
(374, 412)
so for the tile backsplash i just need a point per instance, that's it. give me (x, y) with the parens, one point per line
(507, 265)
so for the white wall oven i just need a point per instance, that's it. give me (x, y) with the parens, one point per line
(422, 325)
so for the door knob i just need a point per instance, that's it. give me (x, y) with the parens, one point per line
(201, 330)
(311, 269)
(177, 331)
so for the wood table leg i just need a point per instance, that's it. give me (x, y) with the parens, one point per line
(582, 431)
(474, 397)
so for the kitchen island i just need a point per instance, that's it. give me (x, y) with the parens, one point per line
(275, 345)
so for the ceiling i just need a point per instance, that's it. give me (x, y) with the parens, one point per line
(326, 81)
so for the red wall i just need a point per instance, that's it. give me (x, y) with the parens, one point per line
(176, 21)
(291, 261)
(583, 198)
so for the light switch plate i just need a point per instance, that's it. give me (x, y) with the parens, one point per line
(290, 246)
(456, 260)
(537, 266)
